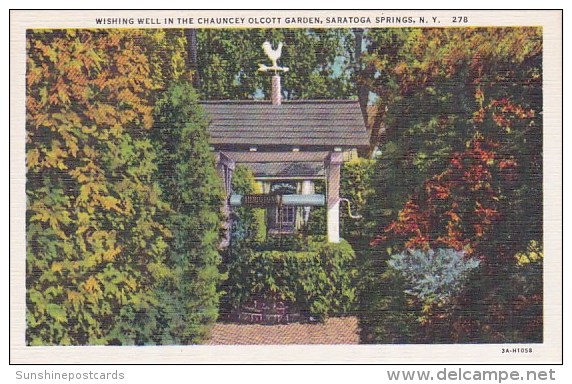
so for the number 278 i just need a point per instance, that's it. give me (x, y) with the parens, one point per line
(460, 19)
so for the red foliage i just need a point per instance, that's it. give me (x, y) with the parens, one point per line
(505, 113)
(457, 208)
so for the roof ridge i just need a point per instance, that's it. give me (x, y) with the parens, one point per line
(305, 101)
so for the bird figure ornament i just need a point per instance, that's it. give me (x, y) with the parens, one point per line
(273, 55)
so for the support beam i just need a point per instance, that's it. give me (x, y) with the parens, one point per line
(333, 170)
(225, 167)
(265, 200)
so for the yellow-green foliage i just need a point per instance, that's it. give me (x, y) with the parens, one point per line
(96, 239)
(533, 254)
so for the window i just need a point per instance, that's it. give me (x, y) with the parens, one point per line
(285, 218)
(282, 219)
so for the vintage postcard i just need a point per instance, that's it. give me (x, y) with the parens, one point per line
(286, 186)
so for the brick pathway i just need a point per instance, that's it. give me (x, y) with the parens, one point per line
(340, 330)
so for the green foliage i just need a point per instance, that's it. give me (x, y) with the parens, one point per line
(318, 61)
(318, 280)
(514, 296)
(249, 225)
(95, 241)
(316, 225)
(188, 300)
(356, 186)
(386, 316)
(418, 297)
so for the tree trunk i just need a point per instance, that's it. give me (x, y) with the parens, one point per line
(192, 57)
(361, 88)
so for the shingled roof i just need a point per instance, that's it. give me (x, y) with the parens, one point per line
(318, 123)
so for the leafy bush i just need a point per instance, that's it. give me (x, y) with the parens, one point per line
(316, 225)
(249, 224)
(513, 297)
(385, 314)
(433, 276)
(187, 294)
(454, 305)
(356, 186)
(416, 300)
(459, 170)
(318, 280)
(95, 241)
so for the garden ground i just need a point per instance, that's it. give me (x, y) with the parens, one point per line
(337, 330)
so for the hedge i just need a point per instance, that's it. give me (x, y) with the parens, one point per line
(317, 280)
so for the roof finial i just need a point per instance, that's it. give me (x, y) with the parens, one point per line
(274, 55)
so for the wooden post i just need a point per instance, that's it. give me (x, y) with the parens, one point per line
(276, 95)
(333, 170)
(225, 168)
(307, 189)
